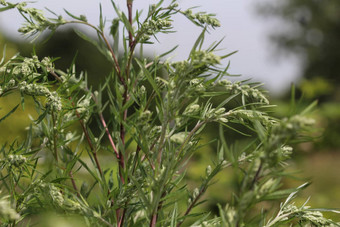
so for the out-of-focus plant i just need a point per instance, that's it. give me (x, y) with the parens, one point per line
(310, 31)
(151, 135)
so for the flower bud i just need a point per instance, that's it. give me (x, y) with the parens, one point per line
(208, 170)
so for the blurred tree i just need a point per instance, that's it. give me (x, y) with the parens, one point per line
(311, 30)
(313, 33)
(67, 46)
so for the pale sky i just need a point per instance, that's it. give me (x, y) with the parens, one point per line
(243, 29)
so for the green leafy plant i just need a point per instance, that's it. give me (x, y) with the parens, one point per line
(129, 167)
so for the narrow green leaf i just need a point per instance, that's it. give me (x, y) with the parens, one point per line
(227, 100)
(114, 27)
(59, 180)
(127, 23)
(149, 77)
(228, 55)
(174, 217)
(81, 17)
(229, 154)
(168, 52)
(41, 116)
(278, 194)
(114, 31)
(101, 20)
(7, 8)
(198, 42)
(9, 113)
(89, 170)
(309, 108)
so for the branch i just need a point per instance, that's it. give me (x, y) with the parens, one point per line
(54, 138)
(87, 136)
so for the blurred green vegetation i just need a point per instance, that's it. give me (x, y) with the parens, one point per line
(311, 31)
(319, 166)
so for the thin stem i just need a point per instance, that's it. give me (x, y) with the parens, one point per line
(121, 156)
(129, 6)
(101, 33)
(192, 205)
(87, 136)
(54, 75)
(54, 138)
(109, 135)
(155, 214)
(106, 128)
(191, 133)
(124, 81)
(257, 175)
(74, 184)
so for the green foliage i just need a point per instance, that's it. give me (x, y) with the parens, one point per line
(130, 170)
(311, 32)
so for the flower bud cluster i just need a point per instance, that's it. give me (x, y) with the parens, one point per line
(155, 132)
(200, 61)
(7, 86)
(196, 85)
(151, 27)
(53, 99)
(16, 160)
(38, 21)
(208, 170)
(56, 195)
(290, 208)
(29, 66)
(70, 136)
(217, 114)
(244, 89)
(305, 214)
(231, 214)
(179, 138)
(63, 201)
(6, 210)
(280, 154)
(202, 18)
(297, 122)
(181, 66)
(192, 110)
(316, 217)
(145, 116)
(286, 150)
(268, 186)
(288, 127)
(84, 104)
(205, 57)
(161, 83)
(251, 115)
(195, 193)
(141, 92)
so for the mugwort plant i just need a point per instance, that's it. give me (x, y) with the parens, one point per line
(122, 160)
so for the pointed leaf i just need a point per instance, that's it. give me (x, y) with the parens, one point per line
(9, 113)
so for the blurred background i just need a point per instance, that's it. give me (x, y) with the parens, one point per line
(278, 43)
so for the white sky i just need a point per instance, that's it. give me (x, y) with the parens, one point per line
(242, 28)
